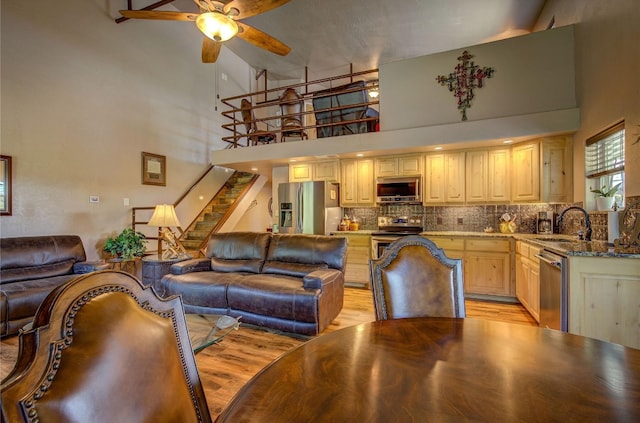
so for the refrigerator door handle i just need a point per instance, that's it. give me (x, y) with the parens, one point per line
(300, 210)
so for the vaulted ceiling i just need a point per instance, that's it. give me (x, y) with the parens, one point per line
(325, 35)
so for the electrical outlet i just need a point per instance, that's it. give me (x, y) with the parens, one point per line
(460, 221)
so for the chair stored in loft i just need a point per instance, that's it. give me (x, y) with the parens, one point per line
(414, 278)
(104, 349)
(254, 135)
(291, 110)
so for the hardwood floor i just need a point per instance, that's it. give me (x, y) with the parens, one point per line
(227, 366)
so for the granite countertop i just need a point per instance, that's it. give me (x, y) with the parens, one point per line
(562, 244)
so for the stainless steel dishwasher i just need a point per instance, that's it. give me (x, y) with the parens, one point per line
(554, 295)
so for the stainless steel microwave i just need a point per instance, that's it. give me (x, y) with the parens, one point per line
(398, 190)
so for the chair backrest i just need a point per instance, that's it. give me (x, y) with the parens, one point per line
(246, 109)
(104, 349)
(291, 108)
(414, 278)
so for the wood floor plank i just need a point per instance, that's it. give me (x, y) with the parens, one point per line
(225, 367)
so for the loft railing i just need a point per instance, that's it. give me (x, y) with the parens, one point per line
(267, 114)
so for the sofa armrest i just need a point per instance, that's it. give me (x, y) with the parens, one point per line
(193, 265)
(82, 267)
(319, 278)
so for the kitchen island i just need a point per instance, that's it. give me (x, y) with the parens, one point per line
(603, 280)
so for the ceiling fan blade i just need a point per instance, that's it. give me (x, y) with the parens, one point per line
(262, 40)
(250, 8)
(159, 15)
(210, 50)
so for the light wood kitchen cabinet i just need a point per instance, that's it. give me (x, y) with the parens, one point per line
(557, 169)
(358, 255)
(444, 180)
(528, 278)
(487, 176)
(357, 183)
(453, 247)
(486, 264)
(526, 172)
(476, 176)
(487, 267)
(327, 170)
(399, 166)
(499, 175)
(604, 299)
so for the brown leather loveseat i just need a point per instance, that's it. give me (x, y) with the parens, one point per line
(293, 283)
(30, 268)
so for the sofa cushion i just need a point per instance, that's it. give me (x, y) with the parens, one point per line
(316, 251)
(22, 299)
(238, 251)
(203, 289)
(25, 258)
(291, 269)
(273, 295)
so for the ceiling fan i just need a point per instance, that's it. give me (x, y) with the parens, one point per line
(219, 22)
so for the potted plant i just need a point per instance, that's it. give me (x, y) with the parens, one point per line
(604, 197)
(128, 245)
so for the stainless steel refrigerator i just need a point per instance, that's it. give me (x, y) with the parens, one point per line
(308, 208)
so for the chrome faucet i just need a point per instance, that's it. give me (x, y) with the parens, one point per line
(587, 222)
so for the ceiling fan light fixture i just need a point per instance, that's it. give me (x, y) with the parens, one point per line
(374, 93)
(217, 26)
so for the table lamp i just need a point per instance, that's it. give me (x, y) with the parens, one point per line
(164, 217)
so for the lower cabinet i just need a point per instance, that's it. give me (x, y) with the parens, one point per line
(528, 278)
(487, 267)
(358, 255)
(486, 264)
(604, 299)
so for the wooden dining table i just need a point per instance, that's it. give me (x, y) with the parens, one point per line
(444, 369)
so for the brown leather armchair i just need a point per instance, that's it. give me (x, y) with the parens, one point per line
(104, 349)
(414, 278)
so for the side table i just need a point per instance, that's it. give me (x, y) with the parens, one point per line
(154, 267)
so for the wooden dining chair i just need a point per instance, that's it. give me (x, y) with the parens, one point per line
(414, 278)
(255, 136)
(291, 121)
(101, 349)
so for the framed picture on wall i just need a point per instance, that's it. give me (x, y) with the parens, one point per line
(5, 185)
(154, 169)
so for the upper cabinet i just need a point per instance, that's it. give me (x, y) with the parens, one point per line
(487, 176)
(526, 172)
(326, 170)
(399, 166)
(444, 178)
(357, 183)
(557, 169)
(548, 180)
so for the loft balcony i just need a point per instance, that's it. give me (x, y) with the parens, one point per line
(340, 105)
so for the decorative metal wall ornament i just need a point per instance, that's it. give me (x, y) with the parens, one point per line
(464, 79)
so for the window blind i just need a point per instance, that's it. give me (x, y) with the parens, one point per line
(604, 153)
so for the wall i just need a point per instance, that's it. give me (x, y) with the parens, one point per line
(607, 67)
(84, 96)
(533, 73)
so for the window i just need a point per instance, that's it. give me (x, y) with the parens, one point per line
(604, 161)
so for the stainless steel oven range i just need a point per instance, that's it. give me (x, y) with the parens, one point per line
(392, 228)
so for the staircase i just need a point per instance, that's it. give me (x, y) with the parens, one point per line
(195, 237)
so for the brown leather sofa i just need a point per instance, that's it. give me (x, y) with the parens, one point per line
(292, 283)
(30, 268)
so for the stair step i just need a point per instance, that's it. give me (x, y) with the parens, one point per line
(193, 235)
(191, 245)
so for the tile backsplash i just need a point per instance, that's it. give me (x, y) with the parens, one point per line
(474, 218)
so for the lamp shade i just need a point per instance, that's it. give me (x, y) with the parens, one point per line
(164, 216)
(216, 26)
